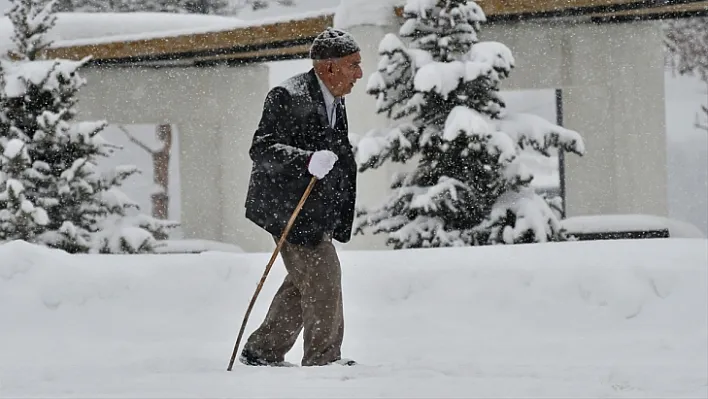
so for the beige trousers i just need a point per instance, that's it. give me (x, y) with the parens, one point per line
(309, 298)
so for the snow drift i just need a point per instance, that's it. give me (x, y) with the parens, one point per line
(590, 319)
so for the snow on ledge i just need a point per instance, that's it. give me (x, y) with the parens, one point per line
(94, 28)
(186, 246)
(630, 223)
(195, 246)
(81, 29)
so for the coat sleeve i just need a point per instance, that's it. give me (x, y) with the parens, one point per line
(272, 142)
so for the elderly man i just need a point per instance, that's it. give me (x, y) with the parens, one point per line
(303, 133)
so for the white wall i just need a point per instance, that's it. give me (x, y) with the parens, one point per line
(687, 146)
(140, 187)
(614, 96)
(216, 111)
(613, 81)
(612, 77)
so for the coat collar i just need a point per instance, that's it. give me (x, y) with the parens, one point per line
(317, 96)
(328, 96)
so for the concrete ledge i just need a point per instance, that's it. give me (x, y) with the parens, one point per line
(195, 247)
(628, 226)
(621, 235)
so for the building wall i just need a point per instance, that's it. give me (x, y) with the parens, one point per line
(215, 110)
(612, 78)
(613, 89)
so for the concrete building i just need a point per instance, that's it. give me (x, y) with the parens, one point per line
(605, 56)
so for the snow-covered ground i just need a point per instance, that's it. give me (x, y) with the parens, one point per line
(587, 319)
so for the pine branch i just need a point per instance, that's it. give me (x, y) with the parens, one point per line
(686, 40)
(441, 93)
(31, 20)
(57, 172)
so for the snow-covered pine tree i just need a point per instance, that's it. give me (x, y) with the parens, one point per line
(31, 20)
(218, 7)
(19, 217)
(86, 5)
(86, 210)
(441, 93)
(263, 4)
(686, 40)
(171, 6)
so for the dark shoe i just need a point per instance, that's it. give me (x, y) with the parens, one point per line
(344, 362)
(250, 359)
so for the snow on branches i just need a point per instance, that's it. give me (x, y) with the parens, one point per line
(31, 20)
(51, 189)
(441, 94)
(686, 40)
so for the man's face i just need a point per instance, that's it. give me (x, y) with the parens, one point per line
(345, 73)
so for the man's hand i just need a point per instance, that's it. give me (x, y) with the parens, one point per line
(321, 163)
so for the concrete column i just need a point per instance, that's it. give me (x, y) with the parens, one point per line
(614, 96)
(226, 106)
(195, 99)
(200, 175)
(240, 102)
(216, 111)
(184, 97)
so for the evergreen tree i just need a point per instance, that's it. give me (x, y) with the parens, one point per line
(51, 160)
(687, 44)
(84, 6)
(19, 217)
(170, 6)
(31, 20)
(216, 7)
(263, 4)
(64, 6)
(207, 6)
(441, 93)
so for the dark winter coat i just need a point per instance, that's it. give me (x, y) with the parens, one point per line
(293, 126)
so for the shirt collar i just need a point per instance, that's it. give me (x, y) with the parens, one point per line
(328, 97)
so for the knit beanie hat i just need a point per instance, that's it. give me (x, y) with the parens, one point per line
(333, 43)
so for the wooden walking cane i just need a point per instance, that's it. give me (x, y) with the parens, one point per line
(270, 264)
